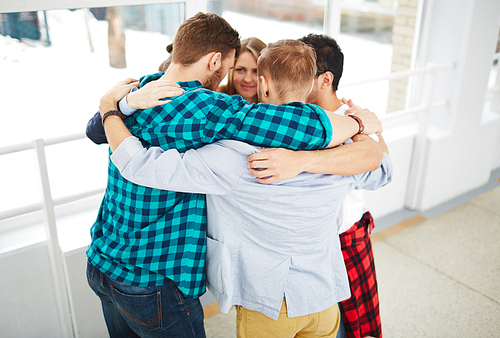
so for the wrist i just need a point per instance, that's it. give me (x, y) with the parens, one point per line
(106, 106)
(359, 122)
(113, 113)
(130, 100)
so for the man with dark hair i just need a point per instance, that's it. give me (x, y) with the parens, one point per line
(329, 58)
(272, 249)
(147, 254)
(360, 313)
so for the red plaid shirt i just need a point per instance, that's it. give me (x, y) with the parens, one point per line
(360, 313)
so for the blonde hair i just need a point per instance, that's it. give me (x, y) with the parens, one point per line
(290, 65)
(252, 45)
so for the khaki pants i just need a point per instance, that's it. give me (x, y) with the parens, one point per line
(253, 324)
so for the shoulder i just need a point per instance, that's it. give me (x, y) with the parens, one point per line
(227, 156)
(238, 147)
(230, 152)
(148, 78)
(314, 107)
(223, 89)
(223, 100)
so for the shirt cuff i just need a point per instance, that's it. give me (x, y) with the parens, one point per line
(125, 151)
(123, 104)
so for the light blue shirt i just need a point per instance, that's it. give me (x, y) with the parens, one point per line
(264, 241)
(124, 106)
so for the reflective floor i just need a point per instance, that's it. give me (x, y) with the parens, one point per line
(438, 272)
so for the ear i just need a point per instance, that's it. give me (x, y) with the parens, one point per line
(326, 79)
(265, 85)
(311, 89)
(215, 61)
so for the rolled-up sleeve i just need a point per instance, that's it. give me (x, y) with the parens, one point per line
(167, 170)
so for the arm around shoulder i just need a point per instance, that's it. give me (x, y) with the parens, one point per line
(167, 170)
(276, 164)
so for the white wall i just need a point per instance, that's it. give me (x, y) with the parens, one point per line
(27, 297)
(88, 317)
(465, 33)
(392, 197)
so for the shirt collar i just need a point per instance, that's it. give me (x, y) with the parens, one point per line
(190, 85)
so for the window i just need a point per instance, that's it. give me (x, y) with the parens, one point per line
(56, 66)
(273, 20)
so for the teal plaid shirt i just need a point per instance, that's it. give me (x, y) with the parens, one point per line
(141, 235)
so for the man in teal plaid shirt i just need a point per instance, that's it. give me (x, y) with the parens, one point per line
(147, 255)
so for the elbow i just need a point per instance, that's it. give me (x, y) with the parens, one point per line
(374, 156)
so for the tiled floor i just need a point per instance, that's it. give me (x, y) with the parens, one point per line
(439, 276)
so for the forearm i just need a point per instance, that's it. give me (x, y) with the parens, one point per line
(292, 126)
(116, 131)
(168, 170)
(343, 129)
(350, 159)
(114, 127)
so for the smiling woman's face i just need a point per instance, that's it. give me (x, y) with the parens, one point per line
(245, 77)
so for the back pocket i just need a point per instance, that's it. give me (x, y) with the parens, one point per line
(140, 310)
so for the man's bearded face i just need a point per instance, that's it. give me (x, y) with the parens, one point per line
(212, 81)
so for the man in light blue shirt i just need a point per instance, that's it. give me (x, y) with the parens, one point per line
(269, 247)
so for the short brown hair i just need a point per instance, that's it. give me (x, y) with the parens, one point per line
(202, 34)
(290, 65)
(252, 45)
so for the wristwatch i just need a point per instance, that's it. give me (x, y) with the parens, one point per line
(361, 126)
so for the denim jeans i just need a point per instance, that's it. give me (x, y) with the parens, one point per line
(341, 332)
(159, 311)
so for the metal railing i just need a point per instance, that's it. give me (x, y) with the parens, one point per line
(60, 276)
(39, 147)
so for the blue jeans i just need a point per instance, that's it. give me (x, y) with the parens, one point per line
(341, 332)
(159, 311)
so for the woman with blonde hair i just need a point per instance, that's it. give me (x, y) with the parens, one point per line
(242, 78)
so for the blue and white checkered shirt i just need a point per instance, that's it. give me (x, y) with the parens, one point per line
(142, 235)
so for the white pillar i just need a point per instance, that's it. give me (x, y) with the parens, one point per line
(460, 143)
(195, 6)
(331, 23)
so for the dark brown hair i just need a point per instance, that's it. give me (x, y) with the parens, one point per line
(203, 34)
(290, 65)
(165, 64)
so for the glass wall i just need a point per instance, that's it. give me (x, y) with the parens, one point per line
(366, 41)
(365, 36)
(55, 66)
(275, 19)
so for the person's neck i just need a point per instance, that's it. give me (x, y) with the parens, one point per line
(253, 99)
(329, 101)
(178, 73)
(278, 101)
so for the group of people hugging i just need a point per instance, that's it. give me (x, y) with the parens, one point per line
(252, 189)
